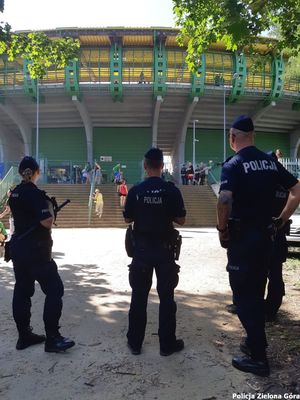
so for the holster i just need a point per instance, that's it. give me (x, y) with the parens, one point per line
(129, 241)
(237, 228)
(286, 229)
(7, 256)
(176, 242)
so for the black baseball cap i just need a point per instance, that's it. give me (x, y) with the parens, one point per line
(28, 163)
(243, 123)
(154, 154)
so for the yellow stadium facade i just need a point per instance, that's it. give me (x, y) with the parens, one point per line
(131, 89)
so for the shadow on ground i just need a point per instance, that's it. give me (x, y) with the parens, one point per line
(95, 313)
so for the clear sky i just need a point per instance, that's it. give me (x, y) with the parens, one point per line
(50, 14)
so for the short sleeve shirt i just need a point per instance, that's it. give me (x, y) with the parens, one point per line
(253, 177)
(29, 206)
(153, 205)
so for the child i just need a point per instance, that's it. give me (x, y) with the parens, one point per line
(122, 189)
(98, 200)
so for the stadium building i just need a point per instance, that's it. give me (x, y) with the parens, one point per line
(131, 89)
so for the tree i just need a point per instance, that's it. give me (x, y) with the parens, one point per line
(293, 67)
(37, 47)
(237, 23)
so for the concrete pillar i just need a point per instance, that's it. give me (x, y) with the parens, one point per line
(178, 154)
(11, 146)
(295, 143)
(23, 125)
(261, 110)
(82, 109)
(157, 106)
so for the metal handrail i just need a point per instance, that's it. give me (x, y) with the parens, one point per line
(292, 165)
(7, 183)
(214, 173)
(90, 204)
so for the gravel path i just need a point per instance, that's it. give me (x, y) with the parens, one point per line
(93, 265)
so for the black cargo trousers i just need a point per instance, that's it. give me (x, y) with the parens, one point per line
(276, 289)
(32, 262)
(248, 261)
(150, 254)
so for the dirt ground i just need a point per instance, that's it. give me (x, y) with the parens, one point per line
(93, 266)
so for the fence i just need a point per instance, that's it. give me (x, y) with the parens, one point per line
(292, 165)
(10, 180)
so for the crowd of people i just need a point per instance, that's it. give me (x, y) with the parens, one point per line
(86, 174)
(191, 176)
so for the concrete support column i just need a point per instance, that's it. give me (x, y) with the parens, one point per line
(82, 109)
(157, 106)
(11, 145)
(261, 110)
(23, 125)
(295, 144)
(178, 154)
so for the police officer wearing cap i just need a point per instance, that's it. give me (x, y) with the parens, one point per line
(248, 184)
(275, 287)
(30, 251)
(153, 206)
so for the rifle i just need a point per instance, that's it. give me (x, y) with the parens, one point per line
(56, 209)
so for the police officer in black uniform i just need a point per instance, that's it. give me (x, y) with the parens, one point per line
(275, 287)
(153, 205)
(30, 251)
(248, 183)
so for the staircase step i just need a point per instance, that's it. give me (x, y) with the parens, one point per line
(200, 203)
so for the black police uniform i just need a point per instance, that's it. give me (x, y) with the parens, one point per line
(153, 205)
(275, 289)
(30, 250)
(252, 176)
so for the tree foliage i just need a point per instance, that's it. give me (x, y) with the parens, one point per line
(37, 47)
(237, 23)
(293, 67)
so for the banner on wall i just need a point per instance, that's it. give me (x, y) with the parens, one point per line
(106, 158)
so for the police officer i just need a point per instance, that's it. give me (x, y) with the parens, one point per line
(248, 183)
(153, 205)
(275, 289)
(30, 251)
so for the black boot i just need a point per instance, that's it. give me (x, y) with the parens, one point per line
(55, 343)
(28, 338)
(244, 347)
(248, 364)
(135, 350)
(231, 308)
(178, 345)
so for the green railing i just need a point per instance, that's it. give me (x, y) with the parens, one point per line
(10, 180)
(94, 71)
(214, 174)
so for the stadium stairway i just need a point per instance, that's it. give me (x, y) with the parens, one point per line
(200, 202)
